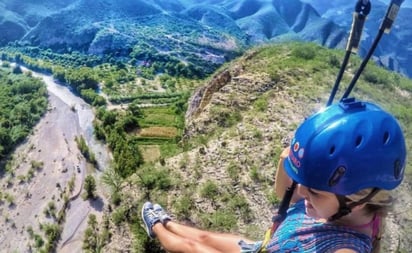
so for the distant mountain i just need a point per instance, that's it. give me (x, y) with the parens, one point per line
(395, 48)
(188, 30)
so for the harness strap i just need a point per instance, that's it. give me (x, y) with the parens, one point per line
(259, 247)
(266, 240)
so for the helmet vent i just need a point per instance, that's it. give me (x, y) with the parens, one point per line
(386, 137)
(397, 169)
(337, 175)
(358, 140)
(332, 150)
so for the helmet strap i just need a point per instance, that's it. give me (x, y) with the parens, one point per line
(345, 208)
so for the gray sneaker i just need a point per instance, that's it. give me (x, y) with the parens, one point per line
(150, 218)
(164, 217)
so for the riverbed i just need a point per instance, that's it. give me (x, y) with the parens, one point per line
(52, 144)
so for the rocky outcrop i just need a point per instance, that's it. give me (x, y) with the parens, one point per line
(203, 95)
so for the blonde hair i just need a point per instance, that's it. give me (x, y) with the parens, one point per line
(379, 205)
(382, 198)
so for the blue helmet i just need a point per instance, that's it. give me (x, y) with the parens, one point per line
(348, 147)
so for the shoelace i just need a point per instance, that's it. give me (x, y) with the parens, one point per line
(152, 216)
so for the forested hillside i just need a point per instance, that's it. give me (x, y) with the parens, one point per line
(200, 35)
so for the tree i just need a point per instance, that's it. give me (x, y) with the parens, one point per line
(90, 187)
(5, 141)
(89, 95)
(129, 123)
(82, 78)
(128, 157)
(111, 178)
(109, 118)
(59, 73)
(17, 70)
(134, 109)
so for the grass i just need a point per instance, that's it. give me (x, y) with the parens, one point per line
(160, 116)
(158, 131)
(150, 153)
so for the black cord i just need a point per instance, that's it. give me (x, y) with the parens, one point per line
(363, 65)
(338, 78)
(362, 9)
(385, 27)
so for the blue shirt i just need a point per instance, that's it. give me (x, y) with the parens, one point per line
(301, 233)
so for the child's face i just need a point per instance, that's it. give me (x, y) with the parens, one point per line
(318, 204)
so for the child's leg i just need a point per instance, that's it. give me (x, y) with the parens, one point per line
(174, 243)
(220, 241)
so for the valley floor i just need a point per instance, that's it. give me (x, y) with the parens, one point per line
(31, 191)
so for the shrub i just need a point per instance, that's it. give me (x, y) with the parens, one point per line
(239, 203)
(90, 187)
(209, 190)
(233, 170)
(17, 70)
(52, 232)
(38, 241)
(30, 231)
(183, 206)
(254, 173)
(37, 165)
(334, 61)
(225, 117)
(375, 75)
(119, 215)
(304, 51)
(154, 178)
(261, 104)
